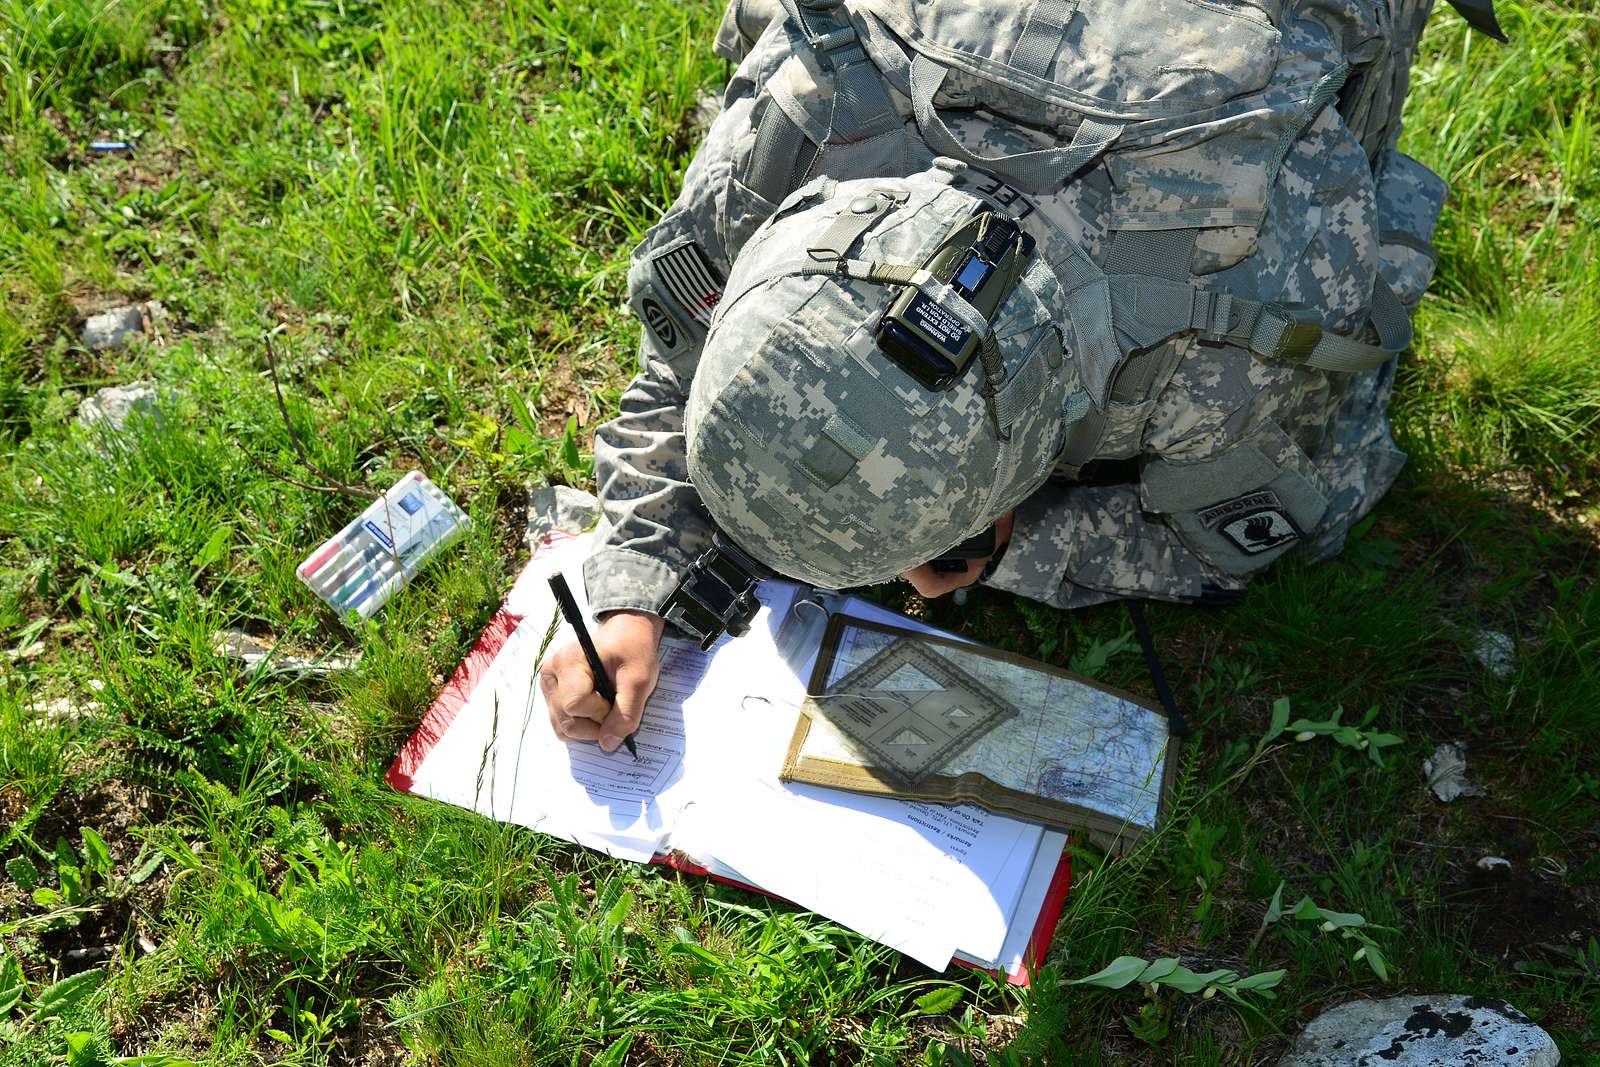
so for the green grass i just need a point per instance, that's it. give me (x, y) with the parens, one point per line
(427, 206)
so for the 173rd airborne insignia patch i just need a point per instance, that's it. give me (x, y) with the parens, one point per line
(1255, 523)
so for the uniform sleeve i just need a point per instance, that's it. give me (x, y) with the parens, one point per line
(1226, 486)
(1237, 466)
(652, 524)
(1077, 545)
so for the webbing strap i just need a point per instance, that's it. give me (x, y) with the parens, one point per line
(845, 230)
(1038, 171)
(781, 156)
(1177, 725)
(1391, 320)
(1151, 309)
(862, 108)
(1041, 38)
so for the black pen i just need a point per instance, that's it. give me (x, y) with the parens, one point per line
(602, 680)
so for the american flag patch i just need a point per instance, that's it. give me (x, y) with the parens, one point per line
(689, 277)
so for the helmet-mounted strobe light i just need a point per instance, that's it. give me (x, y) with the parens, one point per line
(718, 594)
(982, 258)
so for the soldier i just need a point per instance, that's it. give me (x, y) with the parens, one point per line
(1102, 356)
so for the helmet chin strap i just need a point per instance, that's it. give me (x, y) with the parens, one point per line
(1002, 464)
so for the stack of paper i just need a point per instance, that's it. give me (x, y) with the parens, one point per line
(935, 882)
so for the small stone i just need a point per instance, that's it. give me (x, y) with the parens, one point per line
(146, 945)
(111, 329)
(1491, 863)
(1423, 1031)
(556, 511)
(111, 407)
(1447, 773)
(64, 709)
(1497, 652)
(84, 955)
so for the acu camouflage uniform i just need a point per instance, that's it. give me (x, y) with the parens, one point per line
(1186, 168)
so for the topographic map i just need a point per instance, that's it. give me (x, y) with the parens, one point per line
(1069, 741)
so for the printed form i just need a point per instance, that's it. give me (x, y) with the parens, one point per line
(926, 879)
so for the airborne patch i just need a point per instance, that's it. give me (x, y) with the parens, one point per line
(690, 279)
(1261, 531)
(1255, 523)
(660, 323)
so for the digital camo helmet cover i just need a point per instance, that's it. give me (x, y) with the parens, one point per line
(810, 447)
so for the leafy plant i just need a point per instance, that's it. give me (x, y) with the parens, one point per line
(1196, 857)
(55, 1001)
(319, 916)
(1168, 973)
(1349, 926)
(1372, 742)
(84, 1050)
(80, 875)
(1579, 962)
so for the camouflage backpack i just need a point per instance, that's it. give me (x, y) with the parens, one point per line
(1167, 119)
(1185, 158)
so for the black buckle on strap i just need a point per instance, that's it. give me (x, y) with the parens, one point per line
(718, 594)
(1302, 329)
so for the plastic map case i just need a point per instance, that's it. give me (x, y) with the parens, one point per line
(1034, 742)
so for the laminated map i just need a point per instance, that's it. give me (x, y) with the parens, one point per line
(1028, 740)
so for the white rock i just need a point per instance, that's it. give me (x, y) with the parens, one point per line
(1496, 651)
(64, 709)
(111, 329)
(111, 407)
(1490, 863)
(1423, 1031)
(1447, 773)
(558, 508)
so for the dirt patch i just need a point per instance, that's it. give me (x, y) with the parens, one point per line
(158, 1021)
(113, 914)
(370, 1042)
(1512, 909)
(13, 805)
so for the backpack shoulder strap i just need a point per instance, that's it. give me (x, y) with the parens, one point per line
(1149, 305)
(862, 107)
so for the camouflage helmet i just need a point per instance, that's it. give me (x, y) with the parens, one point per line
(816, 452)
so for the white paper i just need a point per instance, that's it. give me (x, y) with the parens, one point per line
(927, 879)
(1030, 902)
(500, 756)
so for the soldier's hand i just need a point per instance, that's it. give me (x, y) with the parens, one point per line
(626, 641)
(930, 583)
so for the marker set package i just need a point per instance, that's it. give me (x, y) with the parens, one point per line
(373, 558)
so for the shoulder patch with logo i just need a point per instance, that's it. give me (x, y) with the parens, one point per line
(690, 278)
(661, 324)
(1255, 522)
